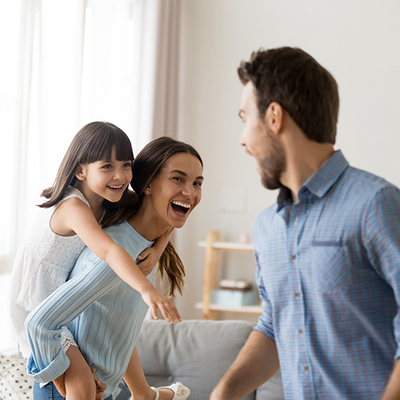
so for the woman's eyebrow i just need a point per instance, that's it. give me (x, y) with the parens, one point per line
(177, 171)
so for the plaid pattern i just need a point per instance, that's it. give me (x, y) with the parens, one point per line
(329, 278)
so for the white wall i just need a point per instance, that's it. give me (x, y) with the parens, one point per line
(358, 41)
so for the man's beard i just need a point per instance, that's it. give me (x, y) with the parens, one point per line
(273, 166)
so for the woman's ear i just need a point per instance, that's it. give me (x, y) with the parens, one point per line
(80, 172)
(148, 190)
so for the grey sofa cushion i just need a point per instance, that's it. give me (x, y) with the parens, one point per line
(196, 353)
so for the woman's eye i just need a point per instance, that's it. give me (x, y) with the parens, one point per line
(198, 184)
(107, 166)
(127, 165)
(177, 178)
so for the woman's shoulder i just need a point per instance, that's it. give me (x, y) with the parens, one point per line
(124, 234)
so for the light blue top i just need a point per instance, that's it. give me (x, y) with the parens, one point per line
(328, 272)
(103, 313)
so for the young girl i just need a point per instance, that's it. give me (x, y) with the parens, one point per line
(94, 174)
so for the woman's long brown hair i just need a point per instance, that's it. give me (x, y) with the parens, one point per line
(146, 166)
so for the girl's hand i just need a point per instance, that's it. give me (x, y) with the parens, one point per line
(149, 258)
(155, 300)
(100, 386)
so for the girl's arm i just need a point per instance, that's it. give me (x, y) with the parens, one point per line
(74, 215)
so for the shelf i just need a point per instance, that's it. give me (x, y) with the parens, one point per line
(229, 246)
(244, 309)
(213, 247)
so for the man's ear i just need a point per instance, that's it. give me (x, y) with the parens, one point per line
(80, 172)
(274, 117)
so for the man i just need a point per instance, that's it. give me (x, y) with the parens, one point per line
(328, 251)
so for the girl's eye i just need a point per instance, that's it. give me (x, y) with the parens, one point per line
(107, 166)
(127, 165)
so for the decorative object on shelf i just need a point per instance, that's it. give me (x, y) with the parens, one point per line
(235, 284)
(233, 298)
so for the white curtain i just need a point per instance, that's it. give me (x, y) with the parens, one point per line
(80, 61)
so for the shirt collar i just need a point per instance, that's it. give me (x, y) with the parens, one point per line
(320, 181)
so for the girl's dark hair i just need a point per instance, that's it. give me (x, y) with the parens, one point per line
(146, 166)
(93, 142)
(295, 80)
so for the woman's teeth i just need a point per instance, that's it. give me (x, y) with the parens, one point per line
(178, 203)
(116, 187)
(180, 207)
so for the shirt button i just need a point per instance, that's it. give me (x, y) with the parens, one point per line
(297, 295)
(300, 331)
(292, 257)
(306, 369)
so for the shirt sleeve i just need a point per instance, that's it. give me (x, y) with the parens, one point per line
(265, 323)
(381, 236)
(47, 360)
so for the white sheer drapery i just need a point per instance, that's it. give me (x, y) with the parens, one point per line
(81, 61)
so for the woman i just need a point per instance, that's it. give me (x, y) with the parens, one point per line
(103, 313)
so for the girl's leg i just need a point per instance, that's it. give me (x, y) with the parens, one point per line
(137, 383)
(78, 378)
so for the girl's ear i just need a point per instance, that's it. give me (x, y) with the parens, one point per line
(148, 190)
(80, 173)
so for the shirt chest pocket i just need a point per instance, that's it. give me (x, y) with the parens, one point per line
(330, 266)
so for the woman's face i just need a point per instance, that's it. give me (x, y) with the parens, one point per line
(176, 191)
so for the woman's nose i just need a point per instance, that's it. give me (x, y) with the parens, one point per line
(188, 190)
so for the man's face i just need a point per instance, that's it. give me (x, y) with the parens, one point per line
(260, 141)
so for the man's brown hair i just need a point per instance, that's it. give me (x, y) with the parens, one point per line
(292, 78)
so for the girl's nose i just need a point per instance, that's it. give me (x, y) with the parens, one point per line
(117, 173)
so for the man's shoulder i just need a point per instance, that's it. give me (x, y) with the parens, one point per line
(266, 215)
(369, 183)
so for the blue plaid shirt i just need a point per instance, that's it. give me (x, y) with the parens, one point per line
(329, 278)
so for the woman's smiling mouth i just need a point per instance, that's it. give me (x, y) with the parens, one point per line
(180, 207)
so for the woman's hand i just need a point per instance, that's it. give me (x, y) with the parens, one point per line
(155, 300)
(149, 258)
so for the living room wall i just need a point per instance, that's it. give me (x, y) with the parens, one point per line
(357, 41)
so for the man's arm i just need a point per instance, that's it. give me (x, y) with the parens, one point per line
(381, 237)
(255, 364)
(392, 391)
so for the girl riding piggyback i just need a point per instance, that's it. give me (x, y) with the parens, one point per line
(93, 176)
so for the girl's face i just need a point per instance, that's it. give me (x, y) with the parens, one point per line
(105, 179)
(176, 191)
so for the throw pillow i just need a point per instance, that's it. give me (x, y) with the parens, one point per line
(15, 384)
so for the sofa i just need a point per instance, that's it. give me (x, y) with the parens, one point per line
(194, 352)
